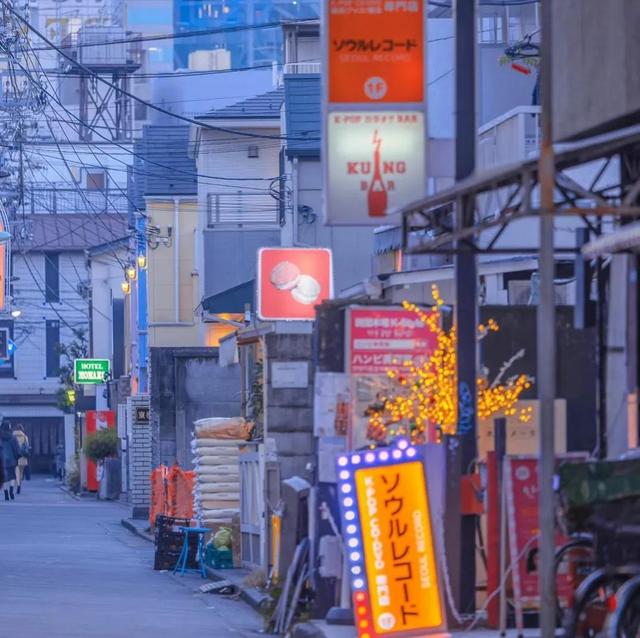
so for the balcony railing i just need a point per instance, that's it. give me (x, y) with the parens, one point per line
(242, 210)
(301, 68)
(73, 200)
(511, 137)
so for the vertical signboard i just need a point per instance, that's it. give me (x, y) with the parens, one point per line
(521, 484)
(375, 51)
(389, 540)
(374, 108)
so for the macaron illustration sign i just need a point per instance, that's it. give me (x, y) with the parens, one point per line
(292, 281)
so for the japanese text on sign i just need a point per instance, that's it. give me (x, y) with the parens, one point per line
(398, 548)
(381, 339)
(375, 51)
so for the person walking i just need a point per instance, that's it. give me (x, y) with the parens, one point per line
(9, 455)
(23, 462)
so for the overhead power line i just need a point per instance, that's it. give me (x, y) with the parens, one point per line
(130, 95)
(176, 35)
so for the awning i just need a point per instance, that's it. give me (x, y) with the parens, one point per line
(624, 238)
(232, 300)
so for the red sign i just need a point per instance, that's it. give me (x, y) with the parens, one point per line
(521, 482)
(381, 339)
(292, 282)
(375, 50)
(97, 420)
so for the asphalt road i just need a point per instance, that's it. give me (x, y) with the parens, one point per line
(69, 569)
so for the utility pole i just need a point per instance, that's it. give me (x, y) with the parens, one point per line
(142, 318)
(546, 374)
(462, 450)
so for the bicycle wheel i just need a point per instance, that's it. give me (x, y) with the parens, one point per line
(625, 621)
(574, 562)
(593, 604)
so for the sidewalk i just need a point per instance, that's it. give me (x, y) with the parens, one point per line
(237, 577)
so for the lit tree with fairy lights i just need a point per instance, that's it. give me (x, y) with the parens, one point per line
(424, 394)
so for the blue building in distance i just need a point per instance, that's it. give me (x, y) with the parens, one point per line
(254, 46)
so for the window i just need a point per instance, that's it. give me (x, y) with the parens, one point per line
(52, 277)
(53, 348)
(96, 180)
(253, 152)
(490, 30)
(240, 210)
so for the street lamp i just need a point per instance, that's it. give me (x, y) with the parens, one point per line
(132, 273)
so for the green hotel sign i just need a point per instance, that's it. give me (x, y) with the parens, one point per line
(91, 371)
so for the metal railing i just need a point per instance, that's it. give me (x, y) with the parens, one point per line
(242, 210)
(73, 200)
(301, 68)
(510, 137)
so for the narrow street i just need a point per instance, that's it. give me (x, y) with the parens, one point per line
(69, 569)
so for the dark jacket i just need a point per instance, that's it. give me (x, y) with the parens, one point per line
(9, 453)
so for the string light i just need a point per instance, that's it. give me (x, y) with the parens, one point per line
(426, 392)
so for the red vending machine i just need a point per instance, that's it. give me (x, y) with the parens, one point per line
(96, 420)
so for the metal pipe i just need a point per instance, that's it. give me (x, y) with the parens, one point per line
(463, 452)
(546, 355)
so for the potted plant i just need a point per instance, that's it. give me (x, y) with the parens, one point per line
(101, 447)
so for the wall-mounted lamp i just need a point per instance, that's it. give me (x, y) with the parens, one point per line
(142, 262)
(126, 287)
(16, 312)
(131, 272)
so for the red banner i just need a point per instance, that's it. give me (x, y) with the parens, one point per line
(521, 482)
(382, 339)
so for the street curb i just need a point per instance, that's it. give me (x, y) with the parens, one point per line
(127, 524)
(253, 597)
(66, 490)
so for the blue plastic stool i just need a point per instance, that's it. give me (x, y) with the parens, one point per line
(181, 565)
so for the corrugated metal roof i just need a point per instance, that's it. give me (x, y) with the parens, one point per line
(302, 106)
(265, 106)
(70, 232)
(168, 146)
(161, 165)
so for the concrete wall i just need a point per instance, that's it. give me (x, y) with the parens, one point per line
(227, 257)
(596, 84)
(289, 411)
(172, 321)
(230, 257)
(106, 277)
(188, 384)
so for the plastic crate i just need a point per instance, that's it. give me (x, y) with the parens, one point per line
(164, 522)
(168, 560)
(218, 559)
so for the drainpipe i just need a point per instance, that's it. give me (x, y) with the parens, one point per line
(176, 255)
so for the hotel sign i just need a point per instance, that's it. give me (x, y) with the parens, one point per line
(91, 371)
